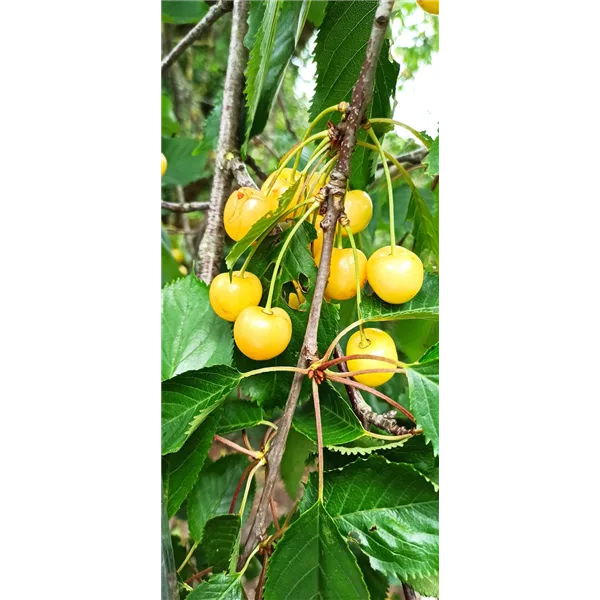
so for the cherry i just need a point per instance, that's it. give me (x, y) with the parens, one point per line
(163, 164)
(341, 284)
(281, 185)
(378, 343)
(297, 298)
(359, 210)
(229, 298)
(430, 6)
(244, 208)
(177, 255)
(262, 335)
(395, 278)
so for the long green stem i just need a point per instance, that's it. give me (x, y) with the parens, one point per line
(422, 139)
(389, 438)
(282, 252)
(357, 274)
(272, 370)
(390, 189)
(187, 558)
(312, 126)
(248, 483)
(297, 148)
(252, 555)
(315, 388)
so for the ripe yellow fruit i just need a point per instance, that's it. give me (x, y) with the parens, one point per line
(229, 298)
(296, 299)
(430, 6)
(261, 335)
(379, 343)
(177, 255)
(341, 284)
(358, 207)
(395, 278)
(244, 208)
(281, 185)
(163, 164)
(183, 269)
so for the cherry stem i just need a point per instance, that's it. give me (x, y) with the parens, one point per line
(365, 372)
(188, 556)
(287, 242)
(253, 454)
(392, 438)
(239, 486)
(373, 391)
(273, 370)
(274, 514)
(246, 440)
(315, 390)
(420, 137)
(311, 127)
(357, 275)
(199, 575)
(388, 178)
(343, 359)
(338, 337)
(249, 483)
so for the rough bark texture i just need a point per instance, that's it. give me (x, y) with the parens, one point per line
(210, 252)
(184, 207)
(361, 97)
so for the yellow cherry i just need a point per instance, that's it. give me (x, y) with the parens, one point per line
(378, 343)
(183, 269)
(395, 278)
(281, 185)
(430, 6)
(297, 298)
(229, 298)
(177, 255)
(359, 210)
(341, 284)
(261, 335)
(163, 164)
(245, 207)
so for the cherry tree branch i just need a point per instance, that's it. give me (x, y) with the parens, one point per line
(215, 12)
(240, 173)
(361, 97)
(185, 207)
(210, 252)
(414, 158)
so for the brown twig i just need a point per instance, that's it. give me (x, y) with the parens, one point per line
(184, 207)
(198, 575)
(414, 158)
(240, 173)
(210, 252)
(409, 593)
(361, 97)
(236, 447)
(214, 13)
(258, 595)
(254, 166)
(240, 483)
(369, 372)
(188, 235)
(345, 359)
(274, 514)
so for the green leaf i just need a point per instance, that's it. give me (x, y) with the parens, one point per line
(424, 394)
(169, 267)
(270, 52)
(425, 225)
(377, 582)
(297, 449)
(182, 12)
(316, 12)
(340, 51)
(393, 518)
(169, 124)
(184, 466)
(432, 160)
(425, 305)
(239, 414)
(188, 399)
(419, 455)
(192, 335)
(366, 445)
(183, 165)
(427, 585)
(266, 223)
(312, 560)
(214, 491)
(339, 424)
(219, 587)
(221, 542)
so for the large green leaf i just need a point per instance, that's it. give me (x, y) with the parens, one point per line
(389, 510)
(425, 305)
(183, 165)
(419, 455)
(239, 414)
(219, 587)
(188, 399)
(270, 52)
(428, 585)
(188, 11)
(192, 335)
(339, 424)
(425, 225)
(316, 12)
(312, 560)
(214, 491)
(424, 393)
(184, 466)
(432, 160)
(377, 582)
(221, 541)
(297, 449)
(340, 51)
